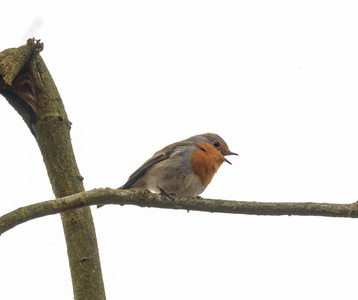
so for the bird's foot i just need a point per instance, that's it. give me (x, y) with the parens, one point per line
(165, 194)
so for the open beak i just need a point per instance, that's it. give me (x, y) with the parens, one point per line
(227, 152)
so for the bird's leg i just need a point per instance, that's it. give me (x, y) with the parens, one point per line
(165, 194)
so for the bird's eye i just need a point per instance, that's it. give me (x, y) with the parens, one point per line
(216, 144)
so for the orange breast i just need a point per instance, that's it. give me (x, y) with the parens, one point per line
(205, 162)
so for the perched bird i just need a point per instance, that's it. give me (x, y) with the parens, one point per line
(183, 168)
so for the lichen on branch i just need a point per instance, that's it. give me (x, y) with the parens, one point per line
(144, 198)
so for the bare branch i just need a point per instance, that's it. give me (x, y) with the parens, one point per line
(29, 87)
(144, 198)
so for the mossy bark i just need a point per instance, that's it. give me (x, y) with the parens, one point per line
(145, 198)
(48, 121)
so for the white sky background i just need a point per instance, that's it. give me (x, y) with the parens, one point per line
(276, 79)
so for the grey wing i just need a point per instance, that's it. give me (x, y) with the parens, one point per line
(159, 156)
(143, 169)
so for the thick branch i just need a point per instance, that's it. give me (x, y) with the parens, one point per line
(27, 84)
(144, 198)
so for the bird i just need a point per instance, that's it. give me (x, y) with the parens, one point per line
(182, 169)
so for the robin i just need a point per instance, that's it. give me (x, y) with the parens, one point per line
(184, 168)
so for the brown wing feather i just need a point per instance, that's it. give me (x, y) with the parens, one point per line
(143, 169)
(156, 158)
